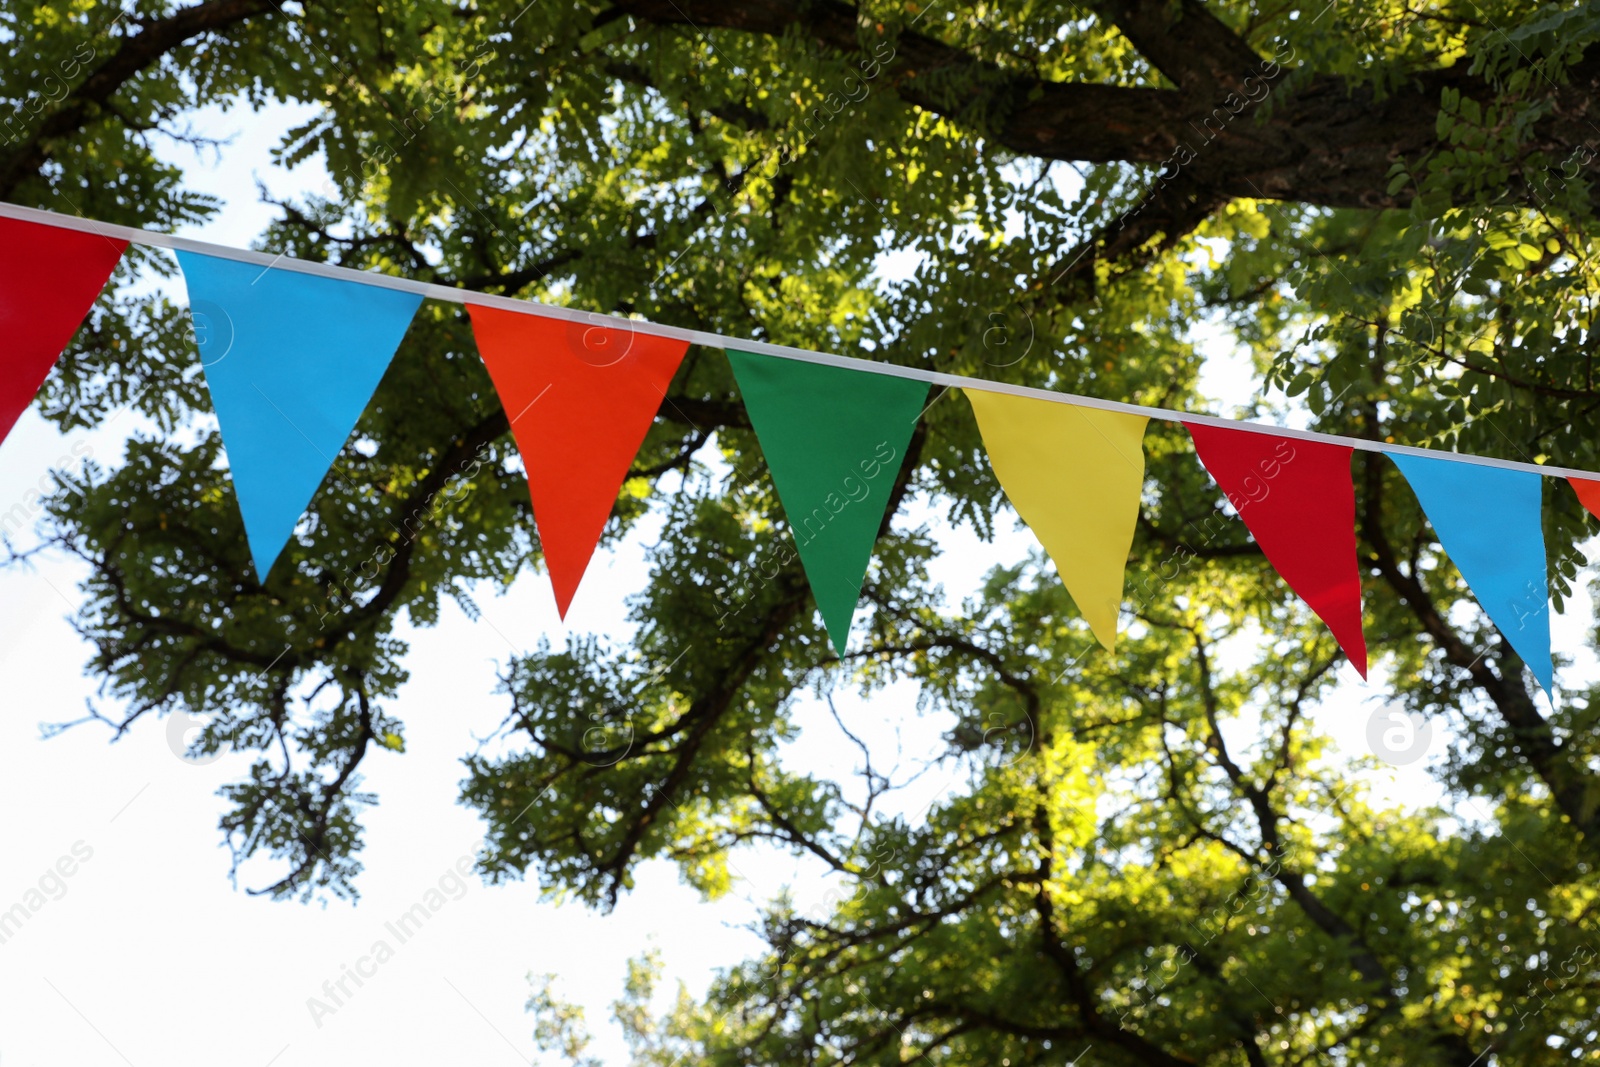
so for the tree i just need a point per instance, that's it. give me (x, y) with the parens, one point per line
(1388, 205)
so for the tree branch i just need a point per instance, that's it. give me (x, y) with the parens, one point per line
(135, 54)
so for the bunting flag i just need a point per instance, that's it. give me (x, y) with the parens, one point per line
(834, 440)
(1299, 503)
(49, 278)
(1075, 475)
(293, 354)
(1588, 492)
(580, 399)
(291, 360)
(1488, 522)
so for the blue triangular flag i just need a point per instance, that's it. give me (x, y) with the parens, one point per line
(1489, 523)
(291, 360)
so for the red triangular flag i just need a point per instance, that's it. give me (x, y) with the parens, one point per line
(49, 278)
(580, 399)
(1588, 491)
(1298, 501)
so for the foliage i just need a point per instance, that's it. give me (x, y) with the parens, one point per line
(1155, 854)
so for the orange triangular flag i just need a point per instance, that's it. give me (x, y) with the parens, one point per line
(1588, 491)
(580, 399)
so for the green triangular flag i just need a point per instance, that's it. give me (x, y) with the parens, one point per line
(834, 440)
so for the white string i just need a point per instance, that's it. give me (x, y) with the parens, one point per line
(453, 295)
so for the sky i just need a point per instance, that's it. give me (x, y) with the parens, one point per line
(141, 952)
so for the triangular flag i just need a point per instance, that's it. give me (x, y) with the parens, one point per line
(1489, 523)
(834, 440)
(291, 360)
(1300, 505)
(1588, 491)
(1075, 475)
(580, 399)
(49, 278)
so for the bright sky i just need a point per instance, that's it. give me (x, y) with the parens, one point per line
(145, 954)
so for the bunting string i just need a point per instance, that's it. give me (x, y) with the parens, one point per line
(450, 294)
(293, 351)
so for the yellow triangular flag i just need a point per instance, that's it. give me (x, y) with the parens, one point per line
(1075, 475)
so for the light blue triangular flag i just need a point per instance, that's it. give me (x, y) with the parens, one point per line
(1489, 522)
(291, 360)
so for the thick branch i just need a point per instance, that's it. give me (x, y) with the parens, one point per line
(1185, 42)
(1329, 143)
